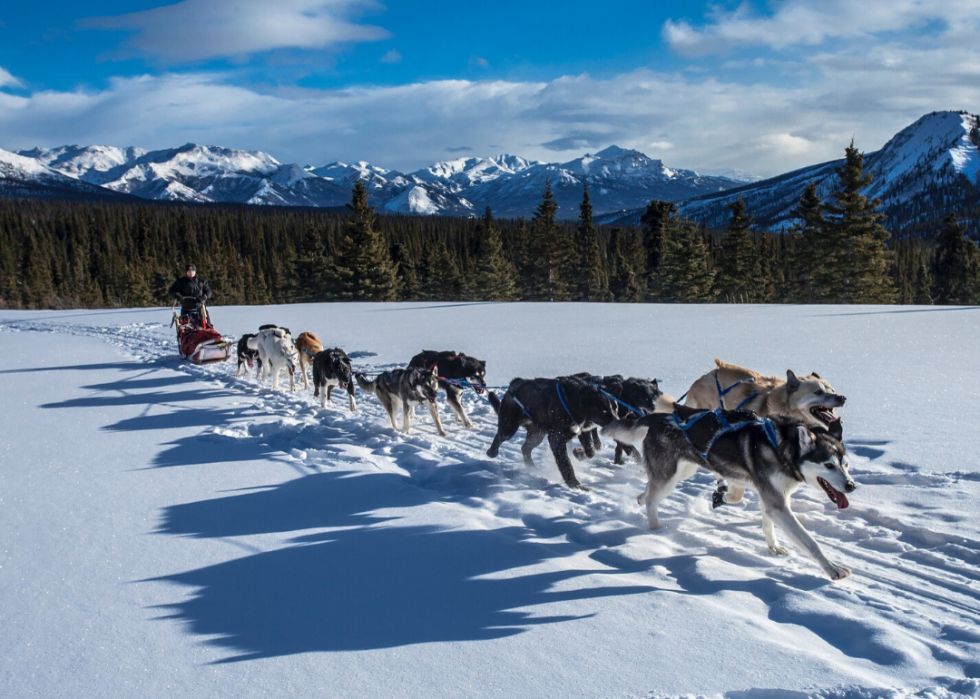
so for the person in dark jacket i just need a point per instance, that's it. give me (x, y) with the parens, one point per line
(192, 291)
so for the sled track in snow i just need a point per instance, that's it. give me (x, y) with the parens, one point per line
(901, 568)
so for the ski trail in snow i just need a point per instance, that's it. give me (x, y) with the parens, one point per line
(914, 593)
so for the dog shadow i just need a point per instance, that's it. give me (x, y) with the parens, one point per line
(368, 583)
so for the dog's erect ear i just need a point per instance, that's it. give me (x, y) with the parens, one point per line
(806, 439)
(814, 374)
(792, 383)
(836, 430)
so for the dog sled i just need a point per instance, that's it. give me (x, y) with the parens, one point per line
(197, 340)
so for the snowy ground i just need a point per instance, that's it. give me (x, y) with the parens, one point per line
(169, 531)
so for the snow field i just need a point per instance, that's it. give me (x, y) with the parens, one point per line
(344, 553)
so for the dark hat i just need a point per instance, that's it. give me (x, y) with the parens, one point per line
(190, 267)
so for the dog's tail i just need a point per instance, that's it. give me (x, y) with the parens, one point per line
(366, 385)
(734, 367)
(626, 431)
(664, 404)
(494, 401)
(252, 343)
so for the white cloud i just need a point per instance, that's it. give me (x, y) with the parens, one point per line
(711, 123)
(8, 80)
(195, 30)
(793, 23)
(392, 57)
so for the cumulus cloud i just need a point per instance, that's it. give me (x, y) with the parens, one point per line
(195, 30)
(811, 22)
(710, 123)
(8, 80)
(392, 57)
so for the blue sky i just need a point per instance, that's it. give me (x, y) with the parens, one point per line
(759, 87)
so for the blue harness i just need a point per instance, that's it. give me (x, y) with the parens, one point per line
(638, 413)
(722, 394)
(725, 428)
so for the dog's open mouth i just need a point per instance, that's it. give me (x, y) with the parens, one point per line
(836, 497)
(825, 415)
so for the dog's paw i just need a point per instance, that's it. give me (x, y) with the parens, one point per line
(838, 572)
(778, 551)
(468, 425)
(579, 453)
(575, 485)
(641, 499)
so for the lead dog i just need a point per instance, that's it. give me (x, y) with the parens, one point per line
(558, 409)
(276, 352)
(404, 389)
(809, 399)
(307, 346)
(774, 456)
(333, 368)
(247, 357)
(456, 367)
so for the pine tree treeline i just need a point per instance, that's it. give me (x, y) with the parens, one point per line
(78, 254)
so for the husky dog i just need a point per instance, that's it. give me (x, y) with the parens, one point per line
(273, 326)
(247, 357)
(276, 352)
(774, 456)
(405, 388)
(558, 409)
(307, 345)
(332, 368)
(455, 366)
(633, 398)
(809, 399)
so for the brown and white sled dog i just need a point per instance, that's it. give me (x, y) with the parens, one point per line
(404, 389)
(307, 346)
(810, 400)
(331, 368)
(276, 352)
(773, 456)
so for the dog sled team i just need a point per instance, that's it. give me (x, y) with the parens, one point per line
(751, 431)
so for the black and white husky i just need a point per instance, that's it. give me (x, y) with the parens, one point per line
(247, 357)
(773, 456)
(558, 409)
(332, 367)
(404, 389)
(453, 369)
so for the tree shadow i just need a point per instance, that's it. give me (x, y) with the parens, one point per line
(369, 584)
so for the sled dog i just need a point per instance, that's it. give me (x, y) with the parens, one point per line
(452, 369)
(631, 398)
(276, 352)
(247, 357)
(307, 346)
(332, 368)
(404, 388)
(558, 409)
(810, 400)
(774, 456)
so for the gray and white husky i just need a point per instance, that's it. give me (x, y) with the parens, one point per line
(773, 456)
(404, 389)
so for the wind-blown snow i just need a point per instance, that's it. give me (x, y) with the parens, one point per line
(169, 530)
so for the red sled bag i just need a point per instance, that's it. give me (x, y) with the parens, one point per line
(198, 341)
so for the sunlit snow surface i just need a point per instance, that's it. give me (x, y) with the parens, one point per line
(167, 530)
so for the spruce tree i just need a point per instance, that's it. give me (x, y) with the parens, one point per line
(550, 252)
(363, 270)
(592, 284)
(862, 262)
(310, 268)
(684, 275)
(439, 274)
(495, 278)
(816, 257)
(741, 270)
(955, 270)
(655, 221)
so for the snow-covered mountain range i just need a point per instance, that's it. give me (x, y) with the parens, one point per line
(928, 169)
(511, 185)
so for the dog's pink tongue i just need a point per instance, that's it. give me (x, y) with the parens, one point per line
(842, 503)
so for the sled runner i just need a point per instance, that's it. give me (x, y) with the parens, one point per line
(197, 340)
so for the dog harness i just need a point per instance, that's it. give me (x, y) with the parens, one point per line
(722, 394)
(638, 413)
(724, 427)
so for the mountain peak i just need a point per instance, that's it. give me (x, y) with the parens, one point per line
(613, 152)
